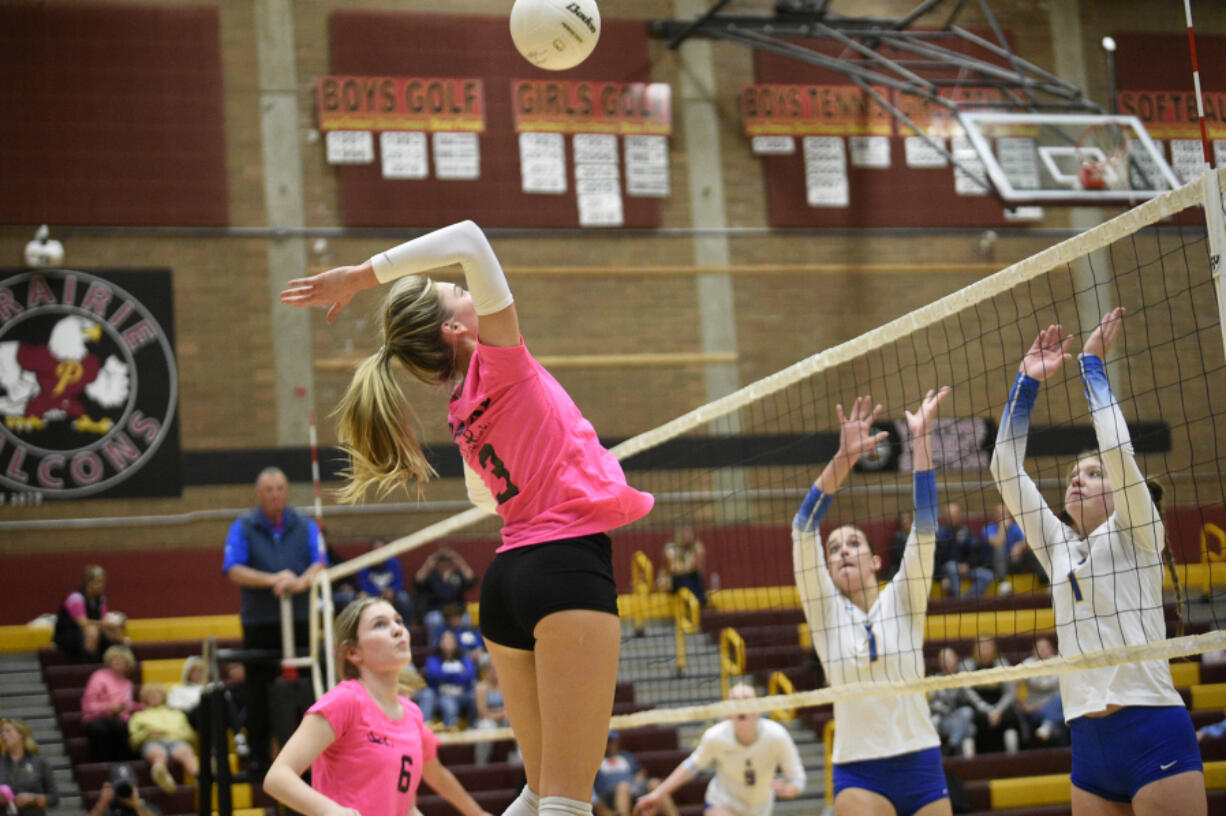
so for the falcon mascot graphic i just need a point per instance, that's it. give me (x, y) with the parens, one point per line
(40, 384)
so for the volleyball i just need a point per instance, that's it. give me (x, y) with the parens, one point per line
(555, 34)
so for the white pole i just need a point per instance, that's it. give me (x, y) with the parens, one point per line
(1215, 224)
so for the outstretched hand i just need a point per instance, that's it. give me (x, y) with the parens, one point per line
(334, 288)
(920, 422)
(1046, 354)
(1104, 336)
(856, 429)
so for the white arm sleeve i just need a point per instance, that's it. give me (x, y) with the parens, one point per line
(464, 244)
(478, 492)
(789, 761)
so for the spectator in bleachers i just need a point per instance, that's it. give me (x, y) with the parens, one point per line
(84, 627)
(898, 544)
(271, 551)
(26, 775)
(685, 561)
(491, 711)
(442, 580)
(961, 555)
(952, 713)
(185, 695)
(1212, 732)
(1043, 707)
(452, 679)
(386, 581)
(747, 750)
(466, 635)
(621, 781)
(160, 733)
(107, 704)
(121, 796)
(1011, 555)
(998, 722)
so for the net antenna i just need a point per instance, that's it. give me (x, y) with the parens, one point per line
(927, 55)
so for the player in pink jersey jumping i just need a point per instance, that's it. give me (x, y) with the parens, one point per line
(548, 600)
(367, 746)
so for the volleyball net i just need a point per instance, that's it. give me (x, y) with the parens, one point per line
(733, 473)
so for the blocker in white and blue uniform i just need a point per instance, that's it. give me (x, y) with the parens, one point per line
(1106, 593)
(743, 773)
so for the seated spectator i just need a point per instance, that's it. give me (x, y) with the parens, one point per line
(452, 679)
(685, 560)
(160, 733)
(121, 796)
(1011, 555)
(998, 722)
(185, 695)
(84, 627)
(27, 786)
(386, 581)
(1043, 707)
(107, 705)
(952, 713)
(1212, 732)
(620, 781)
(467, 636)
(898, 545)
(491, 711)
(442, 580)
(960, 554)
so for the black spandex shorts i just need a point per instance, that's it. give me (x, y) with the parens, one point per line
(523, 585)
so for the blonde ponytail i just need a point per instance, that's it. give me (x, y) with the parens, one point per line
(376, 420)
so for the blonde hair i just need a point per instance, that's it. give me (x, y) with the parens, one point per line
(120, 651)
(346, 633)
(27, 734)
(92, 572)
(152, 688)
(376, 419)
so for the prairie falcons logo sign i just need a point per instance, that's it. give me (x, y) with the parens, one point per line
(88, 384)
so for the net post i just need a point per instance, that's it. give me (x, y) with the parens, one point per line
(329, 635)
(1215, 224)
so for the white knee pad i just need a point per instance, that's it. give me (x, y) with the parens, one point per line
(561, 806)
(524, 805)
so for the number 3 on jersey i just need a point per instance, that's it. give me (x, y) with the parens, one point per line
(406, 774)
(490, 461)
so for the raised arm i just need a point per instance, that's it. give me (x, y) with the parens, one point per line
(915, 572)
(463, 243)
(1017, 489)
(1134, 506)
(856, 435)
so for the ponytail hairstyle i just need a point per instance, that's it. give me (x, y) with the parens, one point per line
(1156, 493)
(375, 428)
(346, 634)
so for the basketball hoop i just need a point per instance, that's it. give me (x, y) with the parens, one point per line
(1102, 148)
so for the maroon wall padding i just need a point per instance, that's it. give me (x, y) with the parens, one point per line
(896, 197)
(368, 43)
(1163, 62)
(171, 583)
(111, 114)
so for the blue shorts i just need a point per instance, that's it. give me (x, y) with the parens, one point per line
(1117, 755)
(909, 781)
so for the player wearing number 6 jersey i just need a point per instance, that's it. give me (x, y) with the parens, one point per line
(367, 747)
(530, 455)
(1134, 748)
(887, 756)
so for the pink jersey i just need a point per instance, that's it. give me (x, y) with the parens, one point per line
(375, 764)
(541, 460)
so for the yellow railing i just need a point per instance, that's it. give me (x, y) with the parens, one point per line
(828, 747)
(687, 616)
(1207, 557)
(641, 584)
(731, 657)
(780, 683)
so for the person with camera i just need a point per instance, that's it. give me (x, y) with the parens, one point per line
(121, 796)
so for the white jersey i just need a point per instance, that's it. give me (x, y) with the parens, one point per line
(884, 644)
(1106, 589)
(743, 773)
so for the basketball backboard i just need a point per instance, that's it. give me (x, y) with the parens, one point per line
(1068, 158)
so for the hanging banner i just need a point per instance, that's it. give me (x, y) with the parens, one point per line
(88, 385)
(620, 108)
(400, 103)
(801, 110)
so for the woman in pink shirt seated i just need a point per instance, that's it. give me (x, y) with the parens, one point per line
(530, 456)
(107, 704)
(367, 746)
